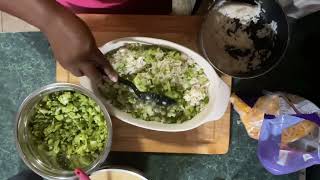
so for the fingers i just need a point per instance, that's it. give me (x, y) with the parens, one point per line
(73, 69)
(94, 66)
(76, 72)
(106, 66)
(111, 73)
(92, 72)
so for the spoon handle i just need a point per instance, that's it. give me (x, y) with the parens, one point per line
(147, 96)
(130, 84)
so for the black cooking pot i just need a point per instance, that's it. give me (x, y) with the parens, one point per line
(273, 12)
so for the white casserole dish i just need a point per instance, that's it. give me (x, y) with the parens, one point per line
(219, 92)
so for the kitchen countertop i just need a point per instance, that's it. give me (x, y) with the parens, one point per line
(26, 63)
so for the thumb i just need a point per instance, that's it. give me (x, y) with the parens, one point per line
(101, 60)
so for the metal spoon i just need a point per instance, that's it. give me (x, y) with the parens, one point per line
(148, 96)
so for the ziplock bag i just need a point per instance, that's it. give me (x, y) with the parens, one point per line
(279, 156)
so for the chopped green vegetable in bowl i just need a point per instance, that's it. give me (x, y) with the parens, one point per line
(69, 127)
(164, 71)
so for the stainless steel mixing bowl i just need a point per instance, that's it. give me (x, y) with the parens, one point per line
(38, 161)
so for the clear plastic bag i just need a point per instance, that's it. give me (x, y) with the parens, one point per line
(253, 110)
(287, 127)
(281, 156)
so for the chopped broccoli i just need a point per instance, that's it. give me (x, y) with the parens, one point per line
(156, 69)
(70, 127)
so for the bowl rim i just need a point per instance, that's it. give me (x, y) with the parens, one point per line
(54, 87)
(121, 169)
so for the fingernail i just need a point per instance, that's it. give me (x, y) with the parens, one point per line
(114, 78)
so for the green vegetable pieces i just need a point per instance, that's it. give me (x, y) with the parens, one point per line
(71, 127)
(160, 70)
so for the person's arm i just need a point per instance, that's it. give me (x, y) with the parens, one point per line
(71, 40)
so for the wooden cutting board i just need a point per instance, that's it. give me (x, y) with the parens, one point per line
(210, 138)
